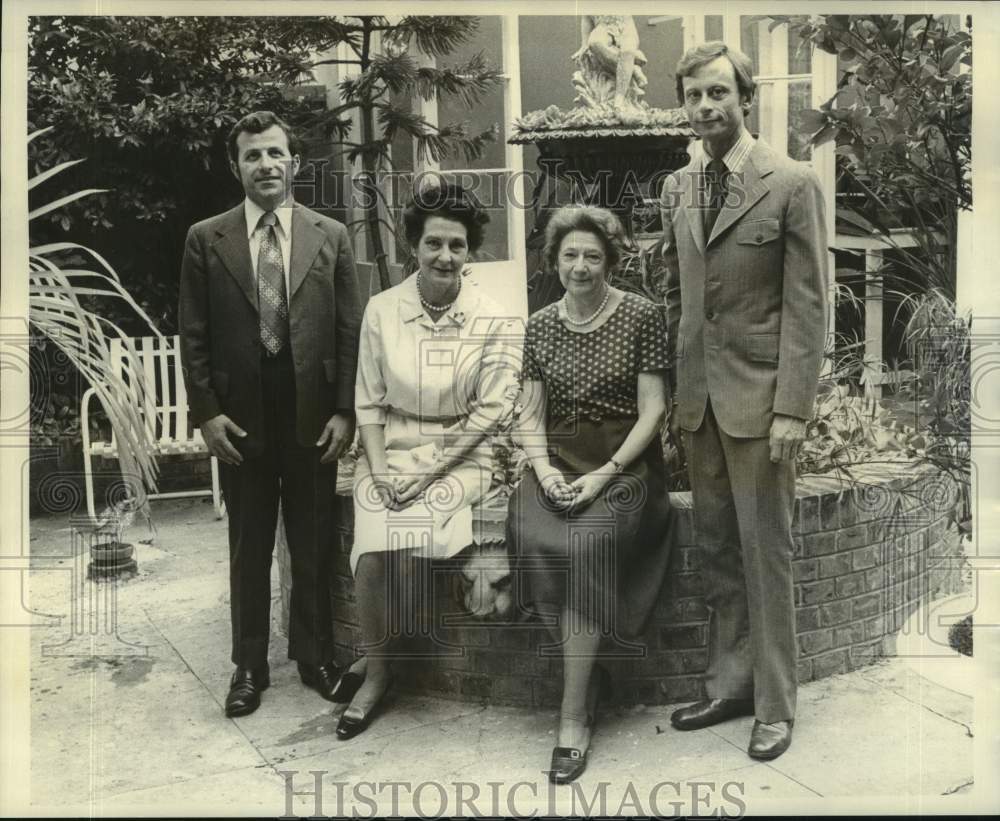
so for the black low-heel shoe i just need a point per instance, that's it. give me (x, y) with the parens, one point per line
(568, 764)
(349, 727)
(346, 688)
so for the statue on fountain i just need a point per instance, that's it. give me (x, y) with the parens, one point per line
(608, 148)
(610, 62)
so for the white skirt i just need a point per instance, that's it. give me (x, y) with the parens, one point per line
(439, 524)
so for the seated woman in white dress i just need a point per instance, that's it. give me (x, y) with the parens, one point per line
(437, 365)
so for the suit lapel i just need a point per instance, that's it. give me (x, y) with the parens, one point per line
(753, 187)
(307, 239)
(233, 249)
(692, 206)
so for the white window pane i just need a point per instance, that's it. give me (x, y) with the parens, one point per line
(714, 26)
(774, 116)
(749, 42)
(799, 54)
(799, 99)
(761, 112)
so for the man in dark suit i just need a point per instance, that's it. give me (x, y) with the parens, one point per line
(747, 312)
(270, 316)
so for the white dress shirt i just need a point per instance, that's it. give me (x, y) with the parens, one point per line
(736, 156)
(283, 229)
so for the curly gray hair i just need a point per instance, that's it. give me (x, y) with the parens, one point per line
(597, 221)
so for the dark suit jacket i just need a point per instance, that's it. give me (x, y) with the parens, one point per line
(747, 309)
(219, 324)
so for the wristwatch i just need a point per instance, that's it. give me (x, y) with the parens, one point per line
(618, 466)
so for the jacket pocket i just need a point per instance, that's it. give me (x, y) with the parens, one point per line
(220, 382)
(330, 368)
(763, 348)
(757, 232)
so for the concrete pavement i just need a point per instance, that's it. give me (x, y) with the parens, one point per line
(132, 723)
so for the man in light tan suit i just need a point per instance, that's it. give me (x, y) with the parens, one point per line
(745, 247)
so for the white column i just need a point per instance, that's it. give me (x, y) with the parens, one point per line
(873, 323)
(514, 159)
(15, 706)
(824, 84)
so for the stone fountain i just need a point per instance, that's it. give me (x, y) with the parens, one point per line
(612, 147)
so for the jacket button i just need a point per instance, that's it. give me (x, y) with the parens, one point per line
(760, 238)
(710, 315)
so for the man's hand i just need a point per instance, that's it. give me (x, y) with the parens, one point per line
(787, 433)
(588, 487)
(215, 432)
(337, 436)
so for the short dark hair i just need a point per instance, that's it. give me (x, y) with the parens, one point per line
(597, 221)
(698, 56)
(447, 200)
(256, 123)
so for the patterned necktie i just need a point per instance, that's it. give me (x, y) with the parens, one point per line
(271, 287)
(716, 179)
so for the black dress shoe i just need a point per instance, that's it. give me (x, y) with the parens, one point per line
(706, 713)
(348, 726)
(768, 741)
(348, 685)
(245, 688)
(323, 678)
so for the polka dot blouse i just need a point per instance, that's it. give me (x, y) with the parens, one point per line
(595, 374)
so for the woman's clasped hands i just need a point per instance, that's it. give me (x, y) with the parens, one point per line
(573, 495)
(399, 492)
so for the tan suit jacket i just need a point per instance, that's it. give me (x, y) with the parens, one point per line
(747, 306)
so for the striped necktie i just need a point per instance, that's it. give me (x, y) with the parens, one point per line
(271, 287)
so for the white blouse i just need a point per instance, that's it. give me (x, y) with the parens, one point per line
(465, 366)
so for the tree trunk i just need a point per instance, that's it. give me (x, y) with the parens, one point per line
(368, 168)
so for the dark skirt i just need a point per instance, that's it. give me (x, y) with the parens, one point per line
(606, 561)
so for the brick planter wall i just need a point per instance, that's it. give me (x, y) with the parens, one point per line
(867, 553)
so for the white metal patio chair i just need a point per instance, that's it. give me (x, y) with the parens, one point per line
(165, 414)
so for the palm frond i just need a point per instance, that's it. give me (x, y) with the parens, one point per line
(437, 35)
(396, 72)
(469, 82)
(38, 179)
(35, 134)
(54, 247)
(56, 296)
(453, 139)
(396, 118)
(59, 203)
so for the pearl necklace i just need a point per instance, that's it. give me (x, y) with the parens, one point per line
(593, 316)
(430, 306)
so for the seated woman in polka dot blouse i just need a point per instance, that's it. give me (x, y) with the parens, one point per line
(590, 525)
